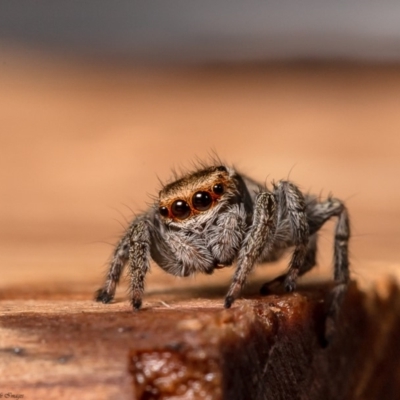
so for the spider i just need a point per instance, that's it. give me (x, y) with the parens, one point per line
(209, 218)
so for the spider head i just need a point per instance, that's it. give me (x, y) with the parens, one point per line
(195, 194)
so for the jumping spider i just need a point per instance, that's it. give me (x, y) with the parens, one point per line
(211, 217)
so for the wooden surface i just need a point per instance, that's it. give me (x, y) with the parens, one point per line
(81, 148)
(190, 348)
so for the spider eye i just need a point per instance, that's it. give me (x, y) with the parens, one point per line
(164, 211)
(202, 201)
(219, 189)
(180, 209)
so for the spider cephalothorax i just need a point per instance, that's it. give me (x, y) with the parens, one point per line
(209, 218)
(195, 194)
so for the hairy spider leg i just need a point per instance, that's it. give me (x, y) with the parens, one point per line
(118, 261)
(262, 231)
(291, 205)
(310, 260)
(139, 260)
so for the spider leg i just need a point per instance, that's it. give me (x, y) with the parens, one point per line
(291, 205)
(139, 259)
(134, 246)
(309, 263)
(341, 269)
(261, 232)
(180, 253)
(341, 249)
(317, 215)
(119, 259)
(226, 234)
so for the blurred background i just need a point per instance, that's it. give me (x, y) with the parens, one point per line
(99, 99)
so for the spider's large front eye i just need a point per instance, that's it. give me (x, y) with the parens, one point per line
(202, 201)
(180, 209)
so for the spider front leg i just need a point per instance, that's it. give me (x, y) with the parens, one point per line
(139, 260)
(262, 231)
(135, 247)
(119, 259)
(181, 254)
(226, 234)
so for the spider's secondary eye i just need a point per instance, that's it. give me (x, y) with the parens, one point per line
(202, 201)
(180, 209)
(218, 189)
(164, 211)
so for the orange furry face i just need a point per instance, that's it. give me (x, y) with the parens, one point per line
(193, 195)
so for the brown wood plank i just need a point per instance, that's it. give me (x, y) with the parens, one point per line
(271, 347)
